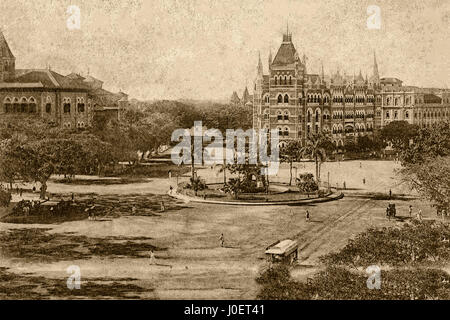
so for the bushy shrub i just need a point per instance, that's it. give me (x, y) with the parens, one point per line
(306, 183)
(196, 184)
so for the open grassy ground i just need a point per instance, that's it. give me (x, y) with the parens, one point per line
(114, 251)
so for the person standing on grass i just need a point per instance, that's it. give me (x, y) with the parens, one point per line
(222, 240)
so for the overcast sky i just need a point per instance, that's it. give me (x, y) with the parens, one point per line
(206, 49)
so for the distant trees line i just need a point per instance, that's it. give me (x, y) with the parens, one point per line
(33, 150)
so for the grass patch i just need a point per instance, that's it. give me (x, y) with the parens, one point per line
(37, 244)
(16, 286)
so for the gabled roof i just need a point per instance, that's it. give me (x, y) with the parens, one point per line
(5, 51)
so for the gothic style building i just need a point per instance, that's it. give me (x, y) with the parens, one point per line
(70, 101)
(298, 103)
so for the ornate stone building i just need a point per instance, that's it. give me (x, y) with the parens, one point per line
(70, 101)
(298, 103)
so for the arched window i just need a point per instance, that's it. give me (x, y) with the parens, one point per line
(286, 131)
(66, 105)
(266, 114)
(290, 80)
(317, 115)
(32, 105)
(48, 105)
(280, 99)
(286, 99)
(280, 131)
(80, 105)
(267, 99)
(23, 105)
(285, 79)
(406, 114)
(279, 115)
(16, 105)
(286, 116)
(7, 107)
(276, 80)
(309, 116)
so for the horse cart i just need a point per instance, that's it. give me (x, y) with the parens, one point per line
(391, 211)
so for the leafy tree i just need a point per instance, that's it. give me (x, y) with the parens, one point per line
(306, 183)
(426, 164)
(291, 153)
(398, 133)
(247, 178)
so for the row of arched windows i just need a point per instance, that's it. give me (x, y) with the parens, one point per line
(280, 80)
(24, 105)
(282, 99)
(282, 132)
(315, 98)
(16, 105)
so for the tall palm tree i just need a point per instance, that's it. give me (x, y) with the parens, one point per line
(314, 149)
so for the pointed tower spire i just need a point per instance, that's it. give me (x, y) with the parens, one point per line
(375, 66)
(260, 66)
(270, 58)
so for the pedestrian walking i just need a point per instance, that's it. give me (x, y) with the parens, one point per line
(345, 186)
(360, 165)
(152, 257)
(170, 174)
(20, 192)
(410, 210)
(222, 240)
(390, 194)
(307, 216)
(163, 207)
(73, 196)
(388, 214)
(364, 180)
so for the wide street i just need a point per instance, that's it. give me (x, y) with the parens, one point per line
(190, 262)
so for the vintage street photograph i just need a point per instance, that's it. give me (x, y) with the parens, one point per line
(225, 150)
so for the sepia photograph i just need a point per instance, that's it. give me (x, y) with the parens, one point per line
(225, 151)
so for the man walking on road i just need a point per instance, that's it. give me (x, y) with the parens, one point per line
(307, 216)
(222, 240)
(410, 210)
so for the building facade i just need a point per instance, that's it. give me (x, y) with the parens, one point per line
(298, 103)
(69, 101)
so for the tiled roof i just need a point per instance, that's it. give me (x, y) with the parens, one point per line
(285, 55)
(105, 98)
(48, 79)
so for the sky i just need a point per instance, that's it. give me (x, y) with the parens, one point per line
(190, 49)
